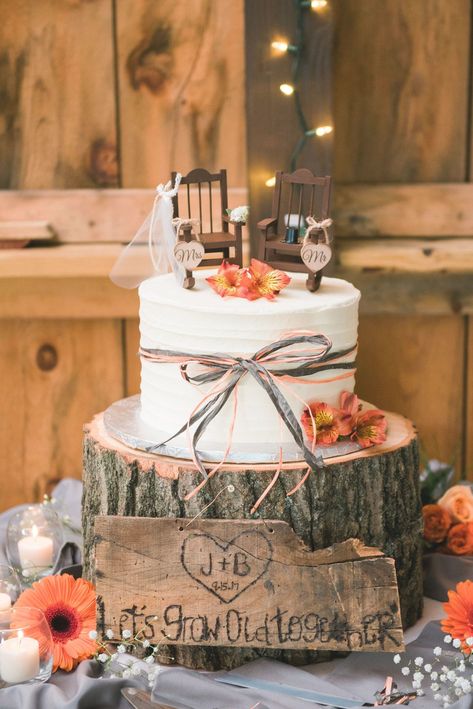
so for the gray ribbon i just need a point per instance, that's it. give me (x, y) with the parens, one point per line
(217, 366)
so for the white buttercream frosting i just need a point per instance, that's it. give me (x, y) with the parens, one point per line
(199, 320)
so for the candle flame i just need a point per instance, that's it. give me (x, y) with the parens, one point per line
(270, 182)
(20, 636)
(34, 531)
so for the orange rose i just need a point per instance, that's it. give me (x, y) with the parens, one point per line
(458, 500)
(460, 539)
(437, 522)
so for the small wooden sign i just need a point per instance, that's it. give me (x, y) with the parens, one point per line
(315, 256)
(189, 253)
(243, 583)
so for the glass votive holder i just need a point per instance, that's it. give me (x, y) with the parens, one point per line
(10, 588)
(34, 541)
(26, 647)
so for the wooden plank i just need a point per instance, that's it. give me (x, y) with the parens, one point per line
(92, 215)
(68, 260)
(96, 260)
(403, 210)
(397, 75)
(21, 230)
(181, 78)
(132, 361)
(415, 366)
(65, 298)
(408, 255)
(57, 87)
(243, 583)
(272, 126)
(55, 375)
(412, 294)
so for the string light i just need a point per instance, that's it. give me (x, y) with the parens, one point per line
(283, 46)
(290, 89)
(286, 89)
(320, 131)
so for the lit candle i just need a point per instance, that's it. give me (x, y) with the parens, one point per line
(5, 602)
(35, 551)
(19, 659)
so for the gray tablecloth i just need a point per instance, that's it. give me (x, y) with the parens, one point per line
(357, 676)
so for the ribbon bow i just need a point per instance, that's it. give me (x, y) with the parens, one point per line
(226, 372)
(315, 226)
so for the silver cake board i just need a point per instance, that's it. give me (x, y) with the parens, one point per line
(123, 421)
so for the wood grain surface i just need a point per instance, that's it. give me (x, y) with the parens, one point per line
(243, 583)
(397, 75)
(181, 78)
(415, 365)
(404, 210)
(54, 373)
(58, 109)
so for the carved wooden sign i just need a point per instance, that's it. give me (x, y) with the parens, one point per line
(189, 253)
(243, 583)
(315, 256)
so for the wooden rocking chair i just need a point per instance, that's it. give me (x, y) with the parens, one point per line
(299, 193)
(218, 238)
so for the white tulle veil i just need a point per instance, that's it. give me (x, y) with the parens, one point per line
(151, 251)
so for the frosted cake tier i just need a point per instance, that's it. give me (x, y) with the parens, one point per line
(200, 321)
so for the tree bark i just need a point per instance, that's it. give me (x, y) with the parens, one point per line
(372, 495)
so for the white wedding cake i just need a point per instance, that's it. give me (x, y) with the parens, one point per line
(199, 321)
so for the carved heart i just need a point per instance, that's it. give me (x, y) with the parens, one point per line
(189, 253)
(226, 569)
(316, 256)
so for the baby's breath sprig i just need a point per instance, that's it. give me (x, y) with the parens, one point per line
(450, 675)
(128, 655)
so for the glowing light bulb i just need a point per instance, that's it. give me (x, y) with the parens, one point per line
(318, 4)
(271, 182)
(287, 89)
(280, 46)
(323, 130)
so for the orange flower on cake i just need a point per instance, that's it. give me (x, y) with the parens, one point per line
(437, 522)
(458, 501)
(459, 610)
(69, 607)
(460, 539)
(325, 422)
(369, 428)
(264, 280)
(228, 281)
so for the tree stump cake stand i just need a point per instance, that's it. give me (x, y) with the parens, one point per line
(372, 495)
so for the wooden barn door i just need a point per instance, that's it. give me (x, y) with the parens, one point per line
(96, 95)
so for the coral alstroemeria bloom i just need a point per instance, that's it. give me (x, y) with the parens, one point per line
(69, 607)
(265, 280)
(459, 610)
(349, 403)
(228, 280)
(369, 428)
(329, 423)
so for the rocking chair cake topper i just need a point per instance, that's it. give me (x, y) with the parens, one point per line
(291, 241)
(168, 241)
